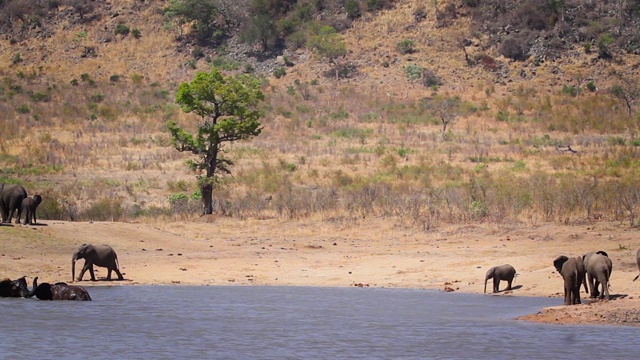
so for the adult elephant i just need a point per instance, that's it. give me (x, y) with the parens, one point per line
(13, 288)
(98, 255)
(574, 274)
(29, 205)
(500, 273)
(11, 197)
(58, 291)
(637, 262)
(599, 268)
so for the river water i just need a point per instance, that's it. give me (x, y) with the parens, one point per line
(255, 322)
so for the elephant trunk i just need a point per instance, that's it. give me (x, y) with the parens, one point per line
(29, 294)
(486, 278)
(73, 268)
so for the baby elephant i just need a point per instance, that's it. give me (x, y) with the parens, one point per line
(29, 205)
(497, 273)
(98, 255)
(574, 274)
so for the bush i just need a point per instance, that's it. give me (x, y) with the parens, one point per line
(23, 109)
(406, 46)
(122, 29)
(514, 48)
(352, 8)
(280, 72)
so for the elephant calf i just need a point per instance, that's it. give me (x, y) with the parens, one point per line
(599, 268)
(574, 274)
(498, 273)
(29, 205)
(99, 255)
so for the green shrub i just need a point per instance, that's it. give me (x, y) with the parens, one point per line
(16, 58)
(114, 78)
(136, 33)
(352, 8)
(23, 109)
(97, 98)
(40, 97)
(406, 46)
(279, 72)
(122, 29)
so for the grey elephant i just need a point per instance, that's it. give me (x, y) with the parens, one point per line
(11, 197)
(13, 288)
(29, 206)
(637, 262)
(574, 274)
(599, 268)
(58, 291)
(500, 273)
(99, 255)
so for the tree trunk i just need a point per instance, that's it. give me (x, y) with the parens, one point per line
(207, 199)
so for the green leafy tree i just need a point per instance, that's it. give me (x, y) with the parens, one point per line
(263, 29)
(210, 18)
(227, 107)
(328, 44)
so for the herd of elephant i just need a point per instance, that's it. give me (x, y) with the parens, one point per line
(98, 255)
(14, 199)
(592, 267)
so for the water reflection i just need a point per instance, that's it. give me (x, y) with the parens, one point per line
(158, 322)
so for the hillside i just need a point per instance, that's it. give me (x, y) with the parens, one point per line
(84, 104)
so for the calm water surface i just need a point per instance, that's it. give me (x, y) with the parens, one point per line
(197, 322)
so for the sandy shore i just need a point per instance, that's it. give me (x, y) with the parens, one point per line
(373, 253)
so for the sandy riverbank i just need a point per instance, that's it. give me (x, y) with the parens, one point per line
(374, 253)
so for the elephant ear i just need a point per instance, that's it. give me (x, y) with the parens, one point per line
(559, 261)
(602, 253)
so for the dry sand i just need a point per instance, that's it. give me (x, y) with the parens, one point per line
(373, 253)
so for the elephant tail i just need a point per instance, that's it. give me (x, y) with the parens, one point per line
(636, 278)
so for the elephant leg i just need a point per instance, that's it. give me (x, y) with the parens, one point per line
(93, 276)
(596, 288)
(576, 295)
(567, 296)
(496, 284)
(109, 274)
(509, 282)
(592, 291)
(605, 289)
(118, 273)
(84, 270)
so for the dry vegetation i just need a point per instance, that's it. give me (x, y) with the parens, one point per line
(83, 114)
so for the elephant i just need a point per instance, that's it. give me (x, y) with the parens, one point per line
(29, 205)
(637, 262)
(11, 197)
(13, 288)
(58, 291)
(574, 274)
(99, 255)
(497, 273)
(599, 267)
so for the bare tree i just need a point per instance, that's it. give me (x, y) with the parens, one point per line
(446, 109)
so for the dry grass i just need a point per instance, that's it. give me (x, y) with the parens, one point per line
(363, 146)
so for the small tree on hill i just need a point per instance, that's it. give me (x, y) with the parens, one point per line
(447, 109)
(328, 45)
(228, 110)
